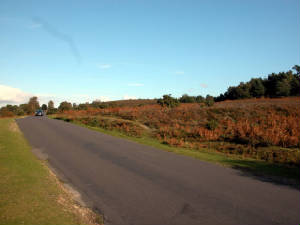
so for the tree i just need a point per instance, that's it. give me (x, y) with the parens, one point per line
(75, 107)
(51, 108)
(295, 86)
(64, 106)
(83, 106)
(257, 88)
(209, 100)
(24, 108)
(200, 99)
(185, 98)
(297, 68)
(33, 105)
(44, 107)
(96, 104)
(50, 105)
(168, 101)
(4, 112)
(282, 88)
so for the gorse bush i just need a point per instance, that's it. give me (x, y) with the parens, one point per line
(168, 101)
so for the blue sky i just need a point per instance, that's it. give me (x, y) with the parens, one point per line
(116, 49)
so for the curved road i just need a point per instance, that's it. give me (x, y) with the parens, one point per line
(134, 184)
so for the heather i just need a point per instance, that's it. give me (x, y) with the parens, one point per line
(265, 129)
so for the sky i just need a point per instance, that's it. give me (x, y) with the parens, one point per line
(82, 51)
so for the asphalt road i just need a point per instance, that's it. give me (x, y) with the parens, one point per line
(135, 184)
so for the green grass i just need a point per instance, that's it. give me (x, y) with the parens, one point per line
(272, 172)
(29, 194)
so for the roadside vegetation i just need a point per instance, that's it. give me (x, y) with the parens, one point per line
(264, 129)
(29, 193)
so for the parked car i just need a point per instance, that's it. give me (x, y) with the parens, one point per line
(39, 112)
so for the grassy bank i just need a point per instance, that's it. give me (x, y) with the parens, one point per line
(260, 169)
(29, 193)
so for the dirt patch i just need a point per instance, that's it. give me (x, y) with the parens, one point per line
(14, 127)
(39, 154)
(71, 201)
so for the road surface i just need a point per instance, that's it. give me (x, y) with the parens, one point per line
(134, 184)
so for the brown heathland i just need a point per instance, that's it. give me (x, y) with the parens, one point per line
(266, 129)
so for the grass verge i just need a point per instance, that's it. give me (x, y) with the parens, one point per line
(29, 192)
(262, 170)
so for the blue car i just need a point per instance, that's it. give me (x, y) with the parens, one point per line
(39, 112)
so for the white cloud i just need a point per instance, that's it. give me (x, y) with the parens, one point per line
(179, 72)
(103, 99)
(104, 66)
(203, 85)
(10, 95)
(135, 85)
(16, 96)
(35, 25)
(127, 97)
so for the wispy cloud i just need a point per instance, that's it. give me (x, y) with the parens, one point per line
(103, 99)
(104, 66)
(35, 26)
(59, 35)
(135, 85)
(127, 97)
(179, 72)
(203, 85)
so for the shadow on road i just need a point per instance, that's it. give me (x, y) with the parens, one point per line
(267, 172)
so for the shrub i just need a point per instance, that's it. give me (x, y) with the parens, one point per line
(168, 101)
(212, 125)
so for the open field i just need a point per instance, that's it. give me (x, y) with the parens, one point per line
(29, 193)
(263, 130)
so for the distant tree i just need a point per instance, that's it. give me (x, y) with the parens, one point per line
(4, 112)
(51, 109)
(219, 98)
(44, 107)
(20, 111)
(185, 98)
(50, 105)
(275, 85)
(24, 108)
(64, 106)
(33, 105)
(12, 108)
(75, 106)
(209, 100)
(96, 104)
(295, 86)
(282, 88)
(231, 93)
(83, 106)
(200, 99)
(243, 90)
(257, 88)
(168, 101)
(297, 68)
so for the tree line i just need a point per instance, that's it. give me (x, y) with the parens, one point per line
(27, 108)
(276, 85)
(281, 84)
